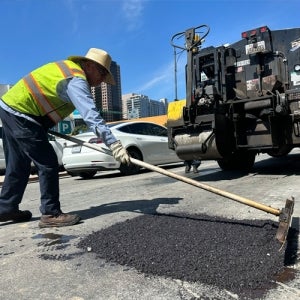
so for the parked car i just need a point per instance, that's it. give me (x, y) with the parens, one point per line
(57, 146)
(145, 141)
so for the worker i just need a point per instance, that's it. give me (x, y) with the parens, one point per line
(192, 163)
(32, 106)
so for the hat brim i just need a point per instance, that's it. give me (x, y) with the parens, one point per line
(108, 78)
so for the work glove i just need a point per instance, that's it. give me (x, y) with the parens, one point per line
(119, 153)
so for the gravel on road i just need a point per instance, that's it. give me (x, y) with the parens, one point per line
(242, 257)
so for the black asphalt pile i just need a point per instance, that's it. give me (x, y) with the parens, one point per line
(239, 256)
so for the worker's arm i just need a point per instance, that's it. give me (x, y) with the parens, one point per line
(79, 93)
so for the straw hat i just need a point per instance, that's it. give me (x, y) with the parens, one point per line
(101, 57)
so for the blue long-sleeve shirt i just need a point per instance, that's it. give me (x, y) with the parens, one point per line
(77, 91)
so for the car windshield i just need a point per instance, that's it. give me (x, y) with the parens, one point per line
(110, 125)
(142, 128)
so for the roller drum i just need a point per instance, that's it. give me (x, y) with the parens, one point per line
(200, 146)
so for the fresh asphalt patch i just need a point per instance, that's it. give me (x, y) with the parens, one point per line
(242, 257)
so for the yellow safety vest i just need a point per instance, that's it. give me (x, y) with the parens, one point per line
(36, 95)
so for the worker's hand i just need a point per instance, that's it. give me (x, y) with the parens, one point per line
(119, 153)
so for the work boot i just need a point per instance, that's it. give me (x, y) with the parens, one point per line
(187, 169)
(16, 216)
(59, 220)
(195, 169)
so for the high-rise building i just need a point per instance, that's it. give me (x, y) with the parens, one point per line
(140, 106)
(108, 98)
(125, 97)
(4, 88)
(164, 106)
(157, 108)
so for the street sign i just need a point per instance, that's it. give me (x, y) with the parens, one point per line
(65, 127)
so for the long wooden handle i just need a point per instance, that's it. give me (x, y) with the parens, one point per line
(198, 184)
(214, 190)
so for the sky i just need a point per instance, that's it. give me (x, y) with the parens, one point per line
(136, 33)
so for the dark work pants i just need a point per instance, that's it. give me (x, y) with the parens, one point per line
(194, 162)
(25, 141)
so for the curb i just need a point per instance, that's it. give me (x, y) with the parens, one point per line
(35, 177)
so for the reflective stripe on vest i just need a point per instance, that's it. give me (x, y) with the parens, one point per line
(67, 71)
(39, 95)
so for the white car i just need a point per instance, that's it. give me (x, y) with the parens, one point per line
(145, 141)
(57, 146)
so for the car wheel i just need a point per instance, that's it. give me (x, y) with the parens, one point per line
(72, 174)
(87, 175)
(132, 168)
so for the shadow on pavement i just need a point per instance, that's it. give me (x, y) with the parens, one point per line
(142, 206)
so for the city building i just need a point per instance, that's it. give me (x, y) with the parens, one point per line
(4, 88)
(136, 106)
(157, 108)
(108, 98)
